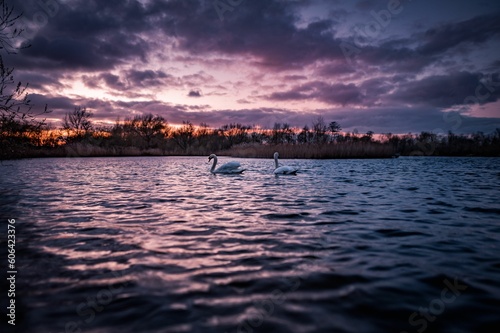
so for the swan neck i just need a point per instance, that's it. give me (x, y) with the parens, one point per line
(276, 162)
(214, 164)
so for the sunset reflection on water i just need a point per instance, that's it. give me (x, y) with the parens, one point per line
(346, 245)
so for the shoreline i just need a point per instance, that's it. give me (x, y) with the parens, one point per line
(337, 150)
(248, 157)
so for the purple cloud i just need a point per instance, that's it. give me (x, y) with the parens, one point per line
(264, 51)
(194, 93)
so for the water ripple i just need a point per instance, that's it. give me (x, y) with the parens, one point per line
(161, 245)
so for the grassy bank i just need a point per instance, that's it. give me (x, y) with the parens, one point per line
(252, 150)
(148, 135)
(319, 151)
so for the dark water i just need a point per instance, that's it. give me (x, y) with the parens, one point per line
(160, 245)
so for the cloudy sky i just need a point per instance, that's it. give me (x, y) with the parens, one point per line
(380, 65)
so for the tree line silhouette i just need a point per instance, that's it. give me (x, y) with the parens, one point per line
(149, 134)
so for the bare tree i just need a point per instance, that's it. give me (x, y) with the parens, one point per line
(203, 130)
(236, 133)
(148, 130)
(9, 32)
(18, 123)
(78, 122)
(319, 130)
(305, 135)
(151, 127)
(288, 133)
(368, 137)
(277, 135)
(184, 136)
(334, 128)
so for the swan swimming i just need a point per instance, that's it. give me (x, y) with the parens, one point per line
(228, 168)
(285, 169)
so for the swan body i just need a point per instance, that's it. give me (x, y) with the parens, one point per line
(285, 169)
(227, 168)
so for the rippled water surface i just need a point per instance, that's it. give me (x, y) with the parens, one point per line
(159, 244)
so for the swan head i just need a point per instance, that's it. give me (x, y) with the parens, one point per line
(212, 156)
(276, 155)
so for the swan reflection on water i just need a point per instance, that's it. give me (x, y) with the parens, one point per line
(227, 168)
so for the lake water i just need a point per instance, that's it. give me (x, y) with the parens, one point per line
(158, 244)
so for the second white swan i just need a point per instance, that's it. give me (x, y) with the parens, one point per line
(285, 169)
(227, 168)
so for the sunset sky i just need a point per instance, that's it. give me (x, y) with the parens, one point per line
(385, 66)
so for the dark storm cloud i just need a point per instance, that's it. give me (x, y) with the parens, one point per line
(337, 93)
(147, 78)
(334, 69)
(377, 119)
(365, 5)
(263, 29)
(57, 105)
(113, 81)
(194, 93)
(442, 91)
(375, 89)
(93, 53)
(98, 35)
(398, 55)
(447, 90)
(89, 35)
(58, 102)
(409, 120)
(390, 59)
(104, 39)
(42, 82)
(129, 81)
(474, 31)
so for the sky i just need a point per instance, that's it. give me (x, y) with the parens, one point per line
(371, 65)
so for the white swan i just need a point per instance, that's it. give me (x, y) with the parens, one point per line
(229, 167)
(285, 169)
